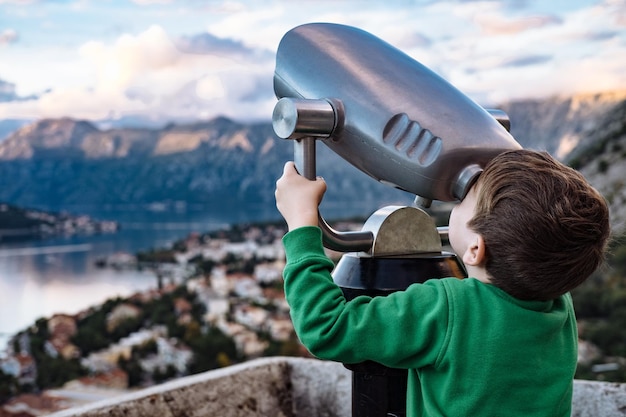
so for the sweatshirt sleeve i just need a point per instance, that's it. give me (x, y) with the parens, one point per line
(406, 329)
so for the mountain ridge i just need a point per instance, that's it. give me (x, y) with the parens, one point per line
(53, 163)
(84, 139)
(562, 125)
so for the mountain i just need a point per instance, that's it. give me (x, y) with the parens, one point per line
(603, 163)
(57, 163)
(564, 126)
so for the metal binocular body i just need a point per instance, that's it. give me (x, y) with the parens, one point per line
(383, 112)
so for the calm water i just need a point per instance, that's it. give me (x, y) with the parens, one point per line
(38, 279)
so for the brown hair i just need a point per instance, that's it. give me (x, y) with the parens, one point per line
(545, 228)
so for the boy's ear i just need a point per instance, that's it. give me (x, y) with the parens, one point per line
(475, 253)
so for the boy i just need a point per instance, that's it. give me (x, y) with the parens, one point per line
(500, 343)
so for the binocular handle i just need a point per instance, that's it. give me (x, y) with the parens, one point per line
(304, 121)
(304, 158)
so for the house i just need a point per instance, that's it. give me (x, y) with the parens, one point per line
(61, 328)
(169, 353)
(267, 273)
(217, 308)
(244, 249)
(245, 286)
(252, 317)
(246, 341)
(280, 329)
(22, 366)
(105, 360)
(114, 378)
(272, 250)
(220, 284)
(120, 313)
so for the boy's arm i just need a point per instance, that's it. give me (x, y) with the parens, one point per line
(406, 329)
(297, 198)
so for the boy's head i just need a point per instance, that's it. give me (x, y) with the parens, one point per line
(545, 229)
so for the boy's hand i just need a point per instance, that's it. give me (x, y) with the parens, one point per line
(297, 198)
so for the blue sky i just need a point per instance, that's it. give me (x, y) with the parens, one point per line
(187, 59)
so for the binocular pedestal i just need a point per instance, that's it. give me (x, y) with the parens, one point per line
(377, 390)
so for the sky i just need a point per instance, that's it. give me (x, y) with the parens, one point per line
(166, 61)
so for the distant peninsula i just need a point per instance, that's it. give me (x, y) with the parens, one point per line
(19, 224)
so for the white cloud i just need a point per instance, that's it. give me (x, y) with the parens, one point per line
(150, 2)
(148, 74)
(8, 36)
(78, 102)
(210, 87)
(132, 58)
(499, 25)
(496, 55)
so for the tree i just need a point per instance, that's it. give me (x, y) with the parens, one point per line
(146, 349)
(169, 372)
(90, 339)
(126, 327)
(54, 372)
(8, 387)
(212, 350)
(133, 369)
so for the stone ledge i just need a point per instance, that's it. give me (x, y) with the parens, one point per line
(289, 387)
(602, 399)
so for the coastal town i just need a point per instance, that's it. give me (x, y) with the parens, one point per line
(218, 300)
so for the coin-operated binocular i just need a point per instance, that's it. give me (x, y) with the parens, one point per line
(403, 125)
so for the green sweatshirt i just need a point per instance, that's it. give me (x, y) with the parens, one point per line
(470, 348)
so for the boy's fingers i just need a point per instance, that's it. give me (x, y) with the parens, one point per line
(290, 166)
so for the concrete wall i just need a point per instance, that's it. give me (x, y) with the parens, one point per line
(289, 387)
